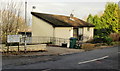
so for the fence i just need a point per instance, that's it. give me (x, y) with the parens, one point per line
(40, 39)
(51, 40)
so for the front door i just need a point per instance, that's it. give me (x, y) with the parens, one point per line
(75, 32)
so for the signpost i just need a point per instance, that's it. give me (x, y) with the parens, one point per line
(13, 39)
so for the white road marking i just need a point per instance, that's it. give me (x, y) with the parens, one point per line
(46, 70)
(93, 60)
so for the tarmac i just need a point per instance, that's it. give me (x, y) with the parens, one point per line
(52, 53)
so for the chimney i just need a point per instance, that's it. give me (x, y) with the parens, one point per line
(71, 15)
(33, 8)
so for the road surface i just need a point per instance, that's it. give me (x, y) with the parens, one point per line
(106, 58)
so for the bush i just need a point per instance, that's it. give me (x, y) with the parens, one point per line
(115, 36)
(108, 40)
(115, 43)
(103, 39)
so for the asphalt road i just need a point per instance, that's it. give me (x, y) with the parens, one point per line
(106, 58)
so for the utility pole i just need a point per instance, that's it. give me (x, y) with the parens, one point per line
(25, 28)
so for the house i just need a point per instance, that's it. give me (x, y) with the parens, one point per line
(61, 26)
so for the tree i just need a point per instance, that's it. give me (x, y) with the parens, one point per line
(119, 18)
(90, 19)
(111, 16)
(11, 21)
(106, 23)
(108, 20)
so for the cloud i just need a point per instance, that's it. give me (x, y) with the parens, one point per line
(73, 0)
(67, 7)
(64, 7)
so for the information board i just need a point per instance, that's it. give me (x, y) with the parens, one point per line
(13, 38)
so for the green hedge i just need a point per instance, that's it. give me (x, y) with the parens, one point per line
(103, 39)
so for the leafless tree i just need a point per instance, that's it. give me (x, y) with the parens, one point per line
(11, 20)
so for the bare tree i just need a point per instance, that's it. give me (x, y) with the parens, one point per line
(11, 21)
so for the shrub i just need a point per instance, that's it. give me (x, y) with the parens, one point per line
(115, 43)
(115, 36)
(102, 39)
(108, 40)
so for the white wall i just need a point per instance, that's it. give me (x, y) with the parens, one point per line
(41, 28)
(64, 32)
(88, 34)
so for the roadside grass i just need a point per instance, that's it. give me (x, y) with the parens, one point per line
(90, 46)
(19, 53)
(115, 43)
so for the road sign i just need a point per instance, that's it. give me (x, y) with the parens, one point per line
(13, 38)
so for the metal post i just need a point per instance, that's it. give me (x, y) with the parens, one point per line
(7, 47)
(25, 23)
(18, 46)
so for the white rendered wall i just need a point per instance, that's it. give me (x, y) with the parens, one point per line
(64, 32)
(41, 28)
(88, 34)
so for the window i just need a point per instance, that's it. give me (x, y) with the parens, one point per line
(80, 31)
(88, 29)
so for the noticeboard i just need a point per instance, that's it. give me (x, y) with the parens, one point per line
(13, 38)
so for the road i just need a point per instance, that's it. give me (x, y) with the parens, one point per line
(106, 58)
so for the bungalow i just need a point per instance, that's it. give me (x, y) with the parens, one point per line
(61, 26)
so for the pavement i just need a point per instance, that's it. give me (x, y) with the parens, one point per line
(50, 51)
(106, 58)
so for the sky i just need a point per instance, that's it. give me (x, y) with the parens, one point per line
(80, 8)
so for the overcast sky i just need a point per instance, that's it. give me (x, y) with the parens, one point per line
(82, 8)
